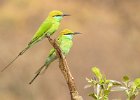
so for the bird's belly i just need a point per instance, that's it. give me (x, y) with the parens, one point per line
(65, 48)
(65, 51)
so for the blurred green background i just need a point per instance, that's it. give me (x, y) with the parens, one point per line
(110, 41)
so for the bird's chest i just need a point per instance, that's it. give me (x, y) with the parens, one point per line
(56, 25)
(66, 46)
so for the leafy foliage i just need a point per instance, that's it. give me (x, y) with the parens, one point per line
(102, 87)
(132, 87)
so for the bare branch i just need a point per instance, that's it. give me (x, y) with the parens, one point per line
(66, 71)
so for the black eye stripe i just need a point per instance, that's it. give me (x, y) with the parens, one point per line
(56, 15)
(68, 33)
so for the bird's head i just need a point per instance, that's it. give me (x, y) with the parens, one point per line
(57, 15)
(68, 33)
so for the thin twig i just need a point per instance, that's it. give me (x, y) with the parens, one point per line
(66, 71)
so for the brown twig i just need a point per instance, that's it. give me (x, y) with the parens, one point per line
(66, 71)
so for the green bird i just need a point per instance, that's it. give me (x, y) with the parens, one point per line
(65, 43)
(47, 28)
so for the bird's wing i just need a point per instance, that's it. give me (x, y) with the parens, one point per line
(51, 52)
(45, 26)
(43, 68)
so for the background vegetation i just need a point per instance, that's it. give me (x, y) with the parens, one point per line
(110, 40)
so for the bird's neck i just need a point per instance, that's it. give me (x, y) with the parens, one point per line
(70, 37)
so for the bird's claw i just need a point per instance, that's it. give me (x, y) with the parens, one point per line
(47, 36)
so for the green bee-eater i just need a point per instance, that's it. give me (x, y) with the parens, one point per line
(64, 41)
(47, 28)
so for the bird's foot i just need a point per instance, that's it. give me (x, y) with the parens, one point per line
(47, 36)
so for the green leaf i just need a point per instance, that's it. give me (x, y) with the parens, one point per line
(118, 88)
(125, 78)
(93, 95)
(87, 86)
(107, 81)
(115, 83)
(137, 82)
(106, 92)
(109, 86)
(97, 73)
(133, 97)
(89, 80)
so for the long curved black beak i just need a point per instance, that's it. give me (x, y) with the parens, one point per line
(77, 33)
(65, 15)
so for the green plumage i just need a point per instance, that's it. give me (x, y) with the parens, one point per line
(47, 28)
(65, 43)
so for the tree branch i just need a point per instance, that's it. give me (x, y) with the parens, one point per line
(66, 71)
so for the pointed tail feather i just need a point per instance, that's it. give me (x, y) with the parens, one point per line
(34, 78)
(21, 53)
(37, 73)
(44, 67)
